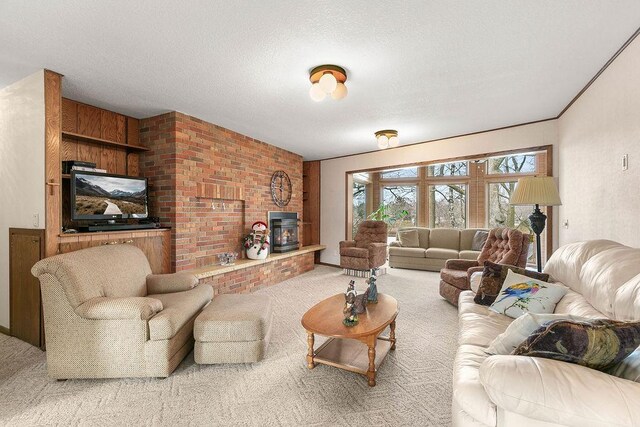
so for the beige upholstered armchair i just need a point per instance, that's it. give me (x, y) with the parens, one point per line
(503, 246)
(107, 316)
(368, 249)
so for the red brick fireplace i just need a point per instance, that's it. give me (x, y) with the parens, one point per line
(188, 160)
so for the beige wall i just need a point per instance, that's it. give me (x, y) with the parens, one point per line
(22, 190)
(333, 171)
(600, 200)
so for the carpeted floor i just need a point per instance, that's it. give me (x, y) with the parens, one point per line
(414, 382)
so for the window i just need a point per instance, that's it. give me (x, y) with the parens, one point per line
(502, 214)
(359, 204)
(400, 173)
(520, 163)
(449, 169)
(400, 206)
(448, 206)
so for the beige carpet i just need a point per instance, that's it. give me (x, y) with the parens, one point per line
(414, 382)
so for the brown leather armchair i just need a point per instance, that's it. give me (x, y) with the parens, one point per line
(503, 246)
(368, 249)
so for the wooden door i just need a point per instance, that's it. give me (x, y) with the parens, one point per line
(26, 248)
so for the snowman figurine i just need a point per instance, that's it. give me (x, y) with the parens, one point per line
(257, 242)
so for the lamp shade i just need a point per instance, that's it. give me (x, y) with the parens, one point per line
(536, 190)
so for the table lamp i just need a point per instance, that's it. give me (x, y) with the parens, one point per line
(538, 191)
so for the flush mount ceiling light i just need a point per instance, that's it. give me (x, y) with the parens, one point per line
(327, 80)
(387, 138)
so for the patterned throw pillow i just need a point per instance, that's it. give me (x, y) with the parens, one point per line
(493, 277)
(597, 344)
(479, 239)
(521, 294)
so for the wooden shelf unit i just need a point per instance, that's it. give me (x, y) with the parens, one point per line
(101, 141)
(311, 204)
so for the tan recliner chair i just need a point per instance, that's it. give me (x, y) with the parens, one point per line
(368, 249)
(107, 316)
(503, 246)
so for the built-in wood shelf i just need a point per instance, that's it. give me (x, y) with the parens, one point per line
(103, 141)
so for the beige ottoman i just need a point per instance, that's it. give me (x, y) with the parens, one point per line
(234, 328)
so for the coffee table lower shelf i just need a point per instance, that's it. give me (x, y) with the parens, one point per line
(350, 355)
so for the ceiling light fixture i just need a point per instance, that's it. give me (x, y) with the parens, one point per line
(327, 80)
(387, 138)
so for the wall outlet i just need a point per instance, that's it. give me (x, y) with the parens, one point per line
(565, 224)
(625, 162)
(36, 220)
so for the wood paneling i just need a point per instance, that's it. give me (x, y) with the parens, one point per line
(133, 131)
(108, 125)
(69, 149)
(69, 115)
(227, 191)
(89, 121)
(121, 161)
(53, 170)
(311, 203)
(26, 248)
(156, 244)
(133, 164)
(121, 129)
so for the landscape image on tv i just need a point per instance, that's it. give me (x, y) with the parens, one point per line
(109, 195)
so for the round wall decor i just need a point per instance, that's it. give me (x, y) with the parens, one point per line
(281, 188)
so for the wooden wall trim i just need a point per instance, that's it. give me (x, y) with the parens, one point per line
(53, 171)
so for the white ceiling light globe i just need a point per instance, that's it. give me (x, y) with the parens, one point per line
(394, 141)
(328, 82)
(383, 142)
(316, 93)
(340, 92)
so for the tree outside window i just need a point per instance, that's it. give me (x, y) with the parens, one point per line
(448, 206)
(449, 169)
(359, 204)
(520, 163)
(400, 206)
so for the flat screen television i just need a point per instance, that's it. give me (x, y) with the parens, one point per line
(99, 196)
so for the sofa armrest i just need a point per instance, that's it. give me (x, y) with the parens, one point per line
(106, 308)
(348, 244)
(168, 283)
(559, 392)
(460, 264)
(396, 244)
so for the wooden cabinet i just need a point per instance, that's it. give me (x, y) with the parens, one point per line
(26, 247)
(156, 244)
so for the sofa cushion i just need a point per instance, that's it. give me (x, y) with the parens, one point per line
(468, 391)
(466, 238)
(493, 276)
(596, 343)
(521, 294)
(179, 308)
(445, 238)
(574, 303)
(407, 252)
(409, 238)
(457, 278)
(355, 252)
(440, 253)
(470, 255)
(234, 318)
(423, 235)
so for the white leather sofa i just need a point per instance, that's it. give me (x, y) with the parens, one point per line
(604, 281)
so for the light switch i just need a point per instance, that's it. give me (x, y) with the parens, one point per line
(566, 223)
(625, 162)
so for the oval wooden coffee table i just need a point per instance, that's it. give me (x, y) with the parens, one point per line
(344, 347)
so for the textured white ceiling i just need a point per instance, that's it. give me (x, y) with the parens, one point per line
(429, 69)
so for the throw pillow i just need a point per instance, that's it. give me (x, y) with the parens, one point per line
(521, 294)
(479, 239)
(474, 282)
(597, 344)
(520, 329)
(408, 238)
(629, 368)
(493, 277)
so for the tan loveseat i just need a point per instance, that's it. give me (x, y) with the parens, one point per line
(504, 390)
(435, 247)
(107, 316)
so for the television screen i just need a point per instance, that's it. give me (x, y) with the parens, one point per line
(100, 196)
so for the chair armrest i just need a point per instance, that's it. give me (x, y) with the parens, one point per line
(168, 283)
(396, 244)
(377, 253)
(559, 392)
(460, 264)
(348, 244)
(106, 308)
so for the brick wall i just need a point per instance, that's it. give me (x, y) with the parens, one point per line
(185, 151)
(253, 278)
